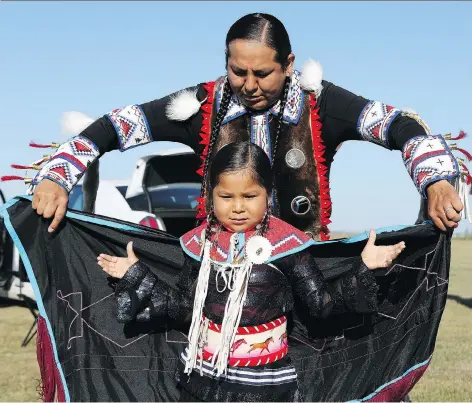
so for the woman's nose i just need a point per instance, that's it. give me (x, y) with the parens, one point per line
(250, 86)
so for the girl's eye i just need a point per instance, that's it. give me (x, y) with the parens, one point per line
(250, 197)
(225, 197)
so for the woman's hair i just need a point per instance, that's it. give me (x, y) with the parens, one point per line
(236, 157)
(264, 28)
(269, 30)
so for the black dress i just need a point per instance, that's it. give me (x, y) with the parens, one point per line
(342, 344)
(271, 292)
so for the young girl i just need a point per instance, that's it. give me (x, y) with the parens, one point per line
(245, 270)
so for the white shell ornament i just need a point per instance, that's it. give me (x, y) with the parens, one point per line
(258, 249)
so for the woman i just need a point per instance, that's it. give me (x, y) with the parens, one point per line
(246, 104)
(299, 120)
(244, 300)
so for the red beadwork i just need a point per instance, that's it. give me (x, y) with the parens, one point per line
(252, 362)
(245, 330)
(205, 130)
(319, 149)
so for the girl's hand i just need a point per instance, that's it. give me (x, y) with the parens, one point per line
(117, 266)
(375, 257)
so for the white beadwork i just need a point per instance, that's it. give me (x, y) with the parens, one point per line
(258, 249)
(131, 126)
(428, 159)
(374, 122)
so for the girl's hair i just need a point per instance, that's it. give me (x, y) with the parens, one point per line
(270, 31)
(236, 157)
(239, 156)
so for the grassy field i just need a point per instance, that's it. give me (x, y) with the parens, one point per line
(447, 379)
(450, 372)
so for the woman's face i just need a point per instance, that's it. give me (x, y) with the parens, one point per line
(239, 203)
(254, 74)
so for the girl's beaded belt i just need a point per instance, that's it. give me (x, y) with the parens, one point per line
(253, 345)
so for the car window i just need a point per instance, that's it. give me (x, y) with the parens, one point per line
(171, 169)
(76, 199)
(175, 198)
(138, 202)
(122, 190)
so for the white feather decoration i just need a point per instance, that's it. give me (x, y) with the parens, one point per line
(311, 76)
(73, 123)
(409, 110)
(183, 105)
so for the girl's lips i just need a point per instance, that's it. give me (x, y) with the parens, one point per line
(238, 220)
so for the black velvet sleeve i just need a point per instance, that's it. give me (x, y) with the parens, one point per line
(355, 291)
(141, 296)
(341, 111)
(102, 132)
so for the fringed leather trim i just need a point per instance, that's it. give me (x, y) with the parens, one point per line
(205, 132)
(460, 136)
(52, 389)
(322, 169)
(35, 166)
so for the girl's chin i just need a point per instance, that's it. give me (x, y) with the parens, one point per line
(238, 226)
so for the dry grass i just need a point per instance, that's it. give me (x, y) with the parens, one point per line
(19, 372)
(447, 379)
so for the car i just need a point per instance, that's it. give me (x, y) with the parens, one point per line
(166, 183)
(14, 282)
(109, 202)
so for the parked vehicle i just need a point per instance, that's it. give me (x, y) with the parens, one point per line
(13, 278)
(111, 203)
(105, 200)
(166, 184)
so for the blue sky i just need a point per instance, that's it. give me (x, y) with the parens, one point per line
(95, 56)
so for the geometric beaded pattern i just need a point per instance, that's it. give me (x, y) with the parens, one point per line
(260, 132)
(428, 159)
(284, 239)
(131, 126)
(293, 107)
(68, 164)
(374, 122)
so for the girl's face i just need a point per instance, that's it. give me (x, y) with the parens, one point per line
(239, 203)
(254, 74)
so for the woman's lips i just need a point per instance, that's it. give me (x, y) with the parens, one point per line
(252, 100)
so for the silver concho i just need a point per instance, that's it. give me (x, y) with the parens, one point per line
(295, 158)
(301, 205)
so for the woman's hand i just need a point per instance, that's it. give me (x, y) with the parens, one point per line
(376, 257)
(50, 199)
(444, 205)
(117, 266)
